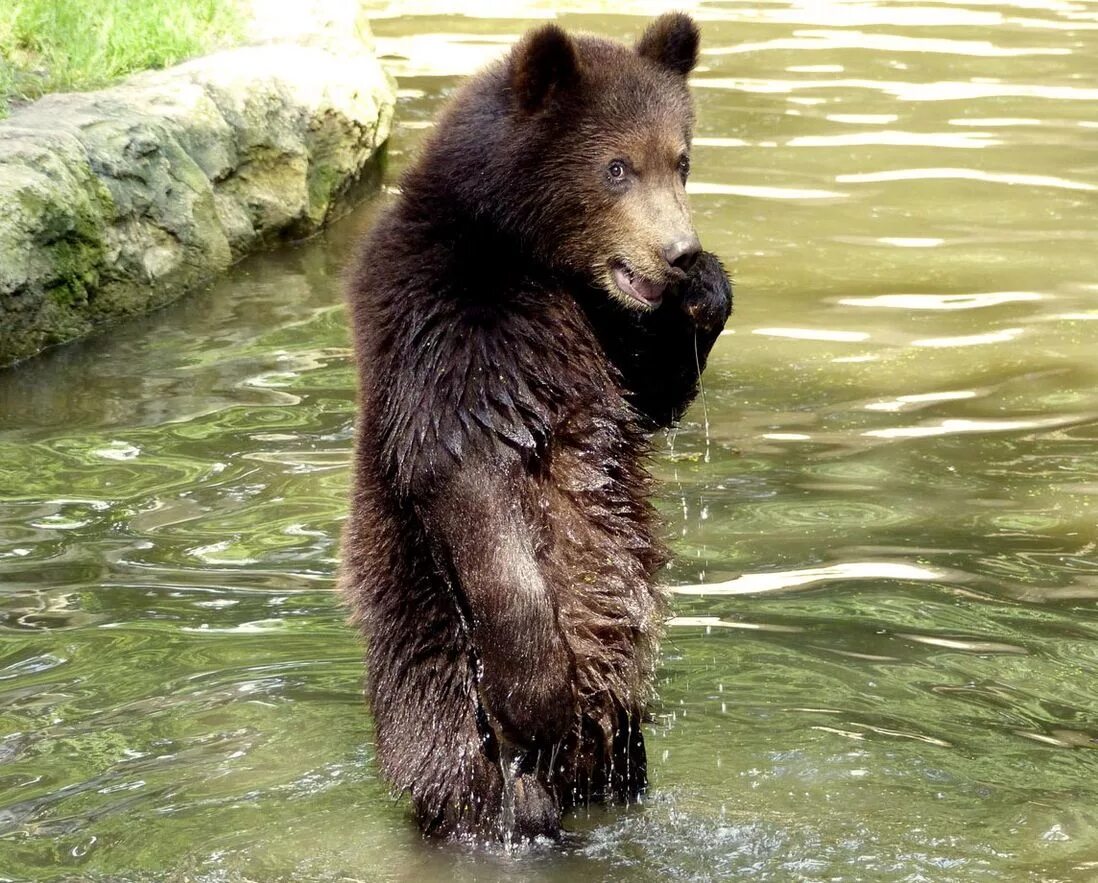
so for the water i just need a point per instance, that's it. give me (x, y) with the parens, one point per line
(884, 662)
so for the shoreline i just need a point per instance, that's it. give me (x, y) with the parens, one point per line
(124, 199)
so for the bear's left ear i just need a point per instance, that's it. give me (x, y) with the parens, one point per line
(543, 64)
(671, 41)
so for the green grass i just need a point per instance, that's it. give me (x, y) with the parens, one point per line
(66, 45)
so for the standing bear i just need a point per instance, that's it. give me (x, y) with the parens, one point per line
(531, 307)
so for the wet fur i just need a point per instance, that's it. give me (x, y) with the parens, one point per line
(501, 554)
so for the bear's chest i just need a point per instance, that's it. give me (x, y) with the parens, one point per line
(595, 484)
(599, 531)
(600, 551)
(597, 527)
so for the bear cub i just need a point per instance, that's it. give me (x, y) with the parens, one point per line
(531, 307)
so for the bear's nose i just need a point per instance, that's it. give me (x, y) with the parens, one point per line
(681, 252)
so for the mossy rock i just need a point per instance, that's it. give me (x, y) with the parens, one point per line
(120, 200)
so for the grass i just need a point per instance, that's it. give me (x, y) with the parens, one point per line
(67, 45)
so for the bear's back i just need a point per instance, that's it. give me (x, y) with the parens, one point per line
(448, 373)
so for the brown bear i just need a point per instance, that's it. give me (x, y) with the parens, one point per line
(530, 308)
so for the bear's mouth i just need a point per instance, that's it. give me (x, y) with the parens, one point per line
(636, 286)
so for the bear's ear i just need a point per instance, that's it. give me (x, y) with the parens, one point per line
(671, 41)
(543, 64)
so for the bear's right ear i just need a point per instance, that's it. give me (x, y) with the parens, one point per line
(543, 64)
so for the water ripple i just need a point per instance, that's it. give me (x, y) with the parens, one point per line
(753, 583)
(1010, 178)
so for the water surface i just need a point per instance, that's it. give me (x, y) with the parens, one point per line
(884, 659)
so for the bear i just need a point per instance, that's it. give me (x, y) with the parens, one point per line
(532, 306)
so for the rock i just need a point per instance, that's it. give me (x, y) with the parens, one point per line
(118, 201)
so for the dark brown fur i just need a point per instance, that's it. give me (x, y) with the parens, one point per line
(501, 554)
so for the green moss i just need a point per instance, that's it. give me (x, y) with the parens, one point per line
(70, 239)
(322, 183)
(62, 45)
(76, 264)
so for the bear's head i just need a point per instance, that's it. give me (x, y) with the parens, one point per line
(578, 149)
(607, 131)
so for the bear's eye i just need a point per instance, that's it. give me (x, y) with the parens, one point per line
(616, 170)
(684, 166)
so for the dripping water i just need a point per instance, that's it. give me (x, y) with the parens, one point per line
(509, 762)
(704, 403)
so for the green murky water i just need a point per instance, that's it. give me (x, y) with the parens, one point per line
(884, 662)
